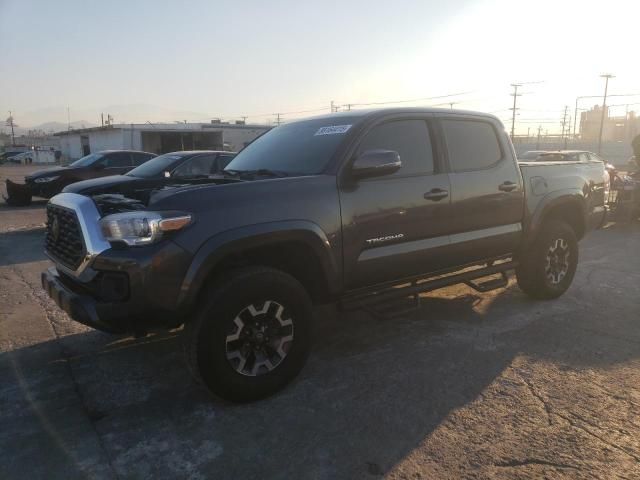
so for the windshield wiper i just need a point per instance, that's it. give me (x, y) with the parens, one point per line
(258, 172)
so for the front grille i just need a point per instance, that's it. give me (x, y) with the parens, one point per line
(63, 240)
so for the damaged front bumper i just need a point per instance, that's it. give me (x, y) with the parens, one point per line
(18, 194)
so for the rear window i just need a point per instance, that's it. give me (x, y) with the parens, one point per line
(553, 157)
(472, 145)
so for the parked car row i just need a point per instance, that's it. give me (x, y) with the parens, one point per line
(560, 156)
(118, 171)
(10, 156)
(581, 156)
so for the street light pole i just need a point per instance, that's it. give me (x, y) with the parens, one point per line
(606, 76)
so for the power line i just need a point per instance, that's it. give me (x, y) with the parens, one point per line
(515, 96)
(333, 107)
(408, 100)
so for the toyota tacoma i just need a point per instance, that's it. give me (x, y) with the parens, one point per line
(364, 209)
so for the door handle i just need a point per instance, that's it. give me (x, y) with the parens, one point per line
(508, 186)
(436, 194)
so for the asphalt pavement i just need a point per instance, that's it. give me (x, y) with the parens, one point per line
(470, 386)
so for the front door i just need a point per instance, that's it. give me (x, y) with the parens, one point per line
(396, 225)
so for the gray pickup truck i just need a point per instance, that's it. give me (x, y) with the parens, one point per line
(364, 209)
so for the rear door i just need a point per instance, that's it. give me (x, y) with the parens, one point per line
(140, 158)
(117, 163)
(395, 226)
(487, 204)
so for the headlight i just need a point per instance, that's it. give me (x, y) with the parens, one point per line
(46, 179)
(141, 228)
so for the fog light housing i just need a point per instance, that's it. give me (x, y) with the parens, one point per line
(114, 286)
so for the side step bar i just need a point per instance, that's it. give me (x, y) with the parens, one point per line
(489, 285)
(368, 299)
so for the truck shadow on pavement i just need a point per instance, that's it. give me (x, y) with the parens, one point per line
(372, 393)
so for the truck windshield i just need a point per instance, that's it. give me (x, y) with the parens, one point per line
(300, 148)
(156, 166)
(88, 160)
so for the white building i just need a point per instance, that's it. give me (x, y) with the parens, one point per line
(158, 137)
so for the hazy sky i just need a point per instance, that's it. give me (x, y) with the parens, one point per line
(230, 58)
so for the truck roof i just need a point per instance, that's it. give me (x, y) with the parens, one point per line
(371, 112)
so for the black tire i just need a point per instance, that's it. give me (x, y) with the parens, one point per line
(207, 335)
(543, 278)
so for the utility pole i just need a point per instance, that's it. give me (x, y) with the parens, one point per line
(68, 120)
(564, 124)
(575, 118)
(10, 124)
(333, 108)
(102, 119)
(606, 76)
(538, 142)
(515, 99)
(278, 120)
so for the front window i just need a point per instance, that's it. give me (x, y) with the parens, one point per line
(300, 148)
(410, 138)
(87, 161)
(156, 166)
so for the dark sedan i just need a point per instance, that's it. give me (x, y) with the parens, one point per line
(49, 182)
(188, 166)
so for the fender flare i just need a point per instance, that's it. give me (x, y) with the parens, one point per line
(569, 196)
(214, 250)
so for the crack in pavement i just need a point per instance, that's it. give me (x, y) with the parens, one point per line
(538, 396)
(533, 461)
(67, 361)
(577, 426)
(573, 423)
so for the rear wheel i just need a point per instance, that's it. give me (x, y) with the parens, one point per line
(251, 334)
(547, 269)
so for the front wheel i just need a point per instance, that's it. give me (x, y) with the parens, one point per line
(547, 269)
(251, 335)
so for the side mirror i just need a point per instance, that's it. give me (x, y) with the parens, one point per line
(167, 174)
(376, 163)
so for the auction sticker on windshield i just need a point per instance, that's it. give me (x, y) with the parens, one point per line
(333, 130)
